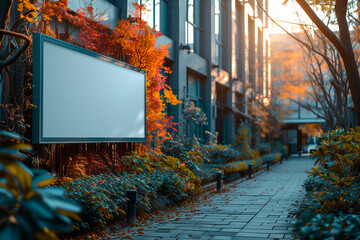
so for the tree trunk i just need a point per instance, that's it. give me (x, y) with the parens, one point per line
(347, 54)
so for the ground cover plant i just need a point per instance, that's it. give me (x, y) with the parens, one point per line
(332, 194)
(160, 181)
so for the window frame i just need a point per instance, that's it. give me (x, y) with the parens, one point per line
(220, 46)
(198, 102)
(195, 25)
(159, 20)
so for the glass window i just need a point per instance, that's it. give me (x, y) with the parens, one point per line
(260, 62)
(195, 93)
(106, 12)
(193, 29)
(221, 111)
(237, 41)
(239, 101)
(240, 42)
(220, 23)
(217, 20)
(156, 14)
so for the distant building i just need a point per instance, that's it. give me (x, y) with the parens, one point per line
(287, 63)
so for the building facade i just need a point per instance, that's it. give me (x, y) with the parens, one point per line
(219, 57)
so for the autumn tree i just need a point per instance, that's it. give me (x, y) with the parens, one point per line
(270, 116)
(341, 40)
(330, 88)
(321, 87)
(302, 77)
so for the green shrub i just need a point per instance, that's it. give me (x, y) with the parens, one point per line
(219, 154)
(329, 226)
(263, 148)
(340, 192)
(315, 184)
(272, 157)
(243, 139)
(29, 208)
(333, 193)
(103, 196)
(279, 147)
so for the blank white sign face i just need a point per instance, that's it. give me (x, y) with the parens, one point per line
(88, 98)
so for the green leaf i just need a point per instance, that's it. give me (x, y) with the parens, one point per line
(12, 231)
(10, 134)
(39, 209)
(42, 180)
(26, 223)
(11, 153)
(51, 191)
(60, 223)
(70, 214)
(46, 234)
(6, 192)
(59, 203)
(21, 146)
(20, 172)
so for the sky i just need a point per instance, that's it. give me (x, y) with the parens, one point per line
(284, 13)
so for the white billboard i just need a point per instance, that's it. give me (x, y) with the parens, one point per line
(82, 96)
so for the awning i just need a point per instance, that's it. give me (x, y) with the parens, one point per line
(237, 111)
(303, 120)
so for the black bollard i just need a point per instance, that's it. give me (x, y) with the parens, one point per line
(250, 170)
(280, 159)
(131, 206)
(267, 165)
(218, 182)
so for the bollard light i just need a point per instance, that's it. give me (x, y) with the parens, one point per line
(218, 182)
(250, 170)
(131, 206)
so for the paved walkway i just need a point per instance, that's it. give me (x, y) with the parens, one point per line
(247, 210)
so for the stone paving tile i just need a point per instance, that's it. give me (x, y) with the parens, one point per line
(251, 209)
(245, 234)
(276, 236)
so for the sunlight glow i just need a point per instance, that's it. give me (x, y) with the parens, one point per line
(286, 16)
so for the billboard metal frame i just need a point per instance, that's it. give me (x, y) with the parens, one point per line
(38, 81)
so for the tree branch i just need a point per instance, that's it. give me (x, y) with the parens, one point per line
(5, 6)
(323, 28)
(311, 48)
(13, 58)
